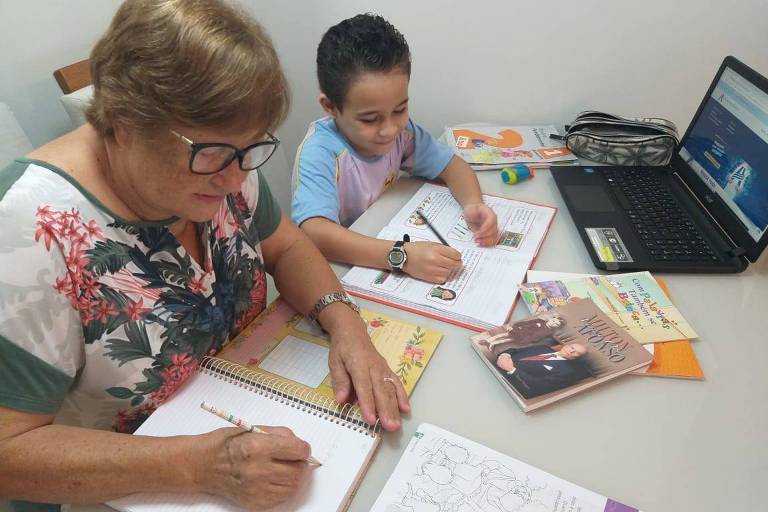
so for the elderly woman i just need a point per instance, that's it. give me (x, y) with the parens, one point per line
(136, 245)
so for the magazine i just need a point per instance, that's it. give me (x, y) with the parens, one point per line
(558, 353)
(482, 293)
(488, 146)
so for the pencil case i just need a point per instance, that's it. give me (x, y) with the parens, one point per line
(618, 140)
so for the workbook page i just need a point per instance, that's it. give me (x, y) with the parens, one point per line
(441, 471)
(343, 451)
(482, 292)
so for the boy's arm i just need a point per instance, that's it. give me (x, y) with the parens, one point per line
(425, 260)
(463, 184)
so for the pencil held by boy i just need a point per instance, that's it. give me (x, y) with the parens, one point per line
(349, 158)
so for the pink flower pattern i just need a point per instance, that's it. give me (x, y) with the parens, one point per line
(181, 368)
(84, 286)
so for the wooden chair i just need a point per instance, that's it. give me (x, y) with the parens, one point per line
(73, 77)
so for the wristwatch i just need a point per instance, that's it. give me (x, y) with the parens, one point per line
(328, 299)
(397, 255)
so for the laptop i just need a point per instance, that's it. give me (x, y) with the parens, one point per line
(707, 211)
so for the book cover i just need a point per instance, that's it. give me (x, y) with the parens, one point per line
(287, 346)
(558, 353)
(674, 358)
(486, 144)
(634, 300)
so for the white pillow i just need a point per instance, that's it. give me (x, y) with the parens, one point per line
(75, 104)
(13, 141)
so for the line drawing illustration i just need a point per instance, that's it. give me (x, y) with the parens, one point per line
(450, 478)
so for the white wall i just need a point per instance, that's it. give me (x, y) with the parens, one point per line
(37, 37)
(499, 60)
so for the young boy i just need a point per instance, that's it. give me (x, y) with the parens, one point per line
(349, 158)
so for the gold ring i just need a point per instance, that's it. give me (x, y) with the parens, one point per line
(389, 379)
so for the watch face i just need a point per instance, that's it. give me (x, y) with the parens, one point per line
(396, 258)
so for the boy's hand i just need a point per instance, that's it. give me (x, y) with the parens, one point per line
(431, 262)
(482, 221)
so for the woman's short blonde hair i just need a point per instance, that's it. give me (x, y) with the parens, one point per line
(202, 63)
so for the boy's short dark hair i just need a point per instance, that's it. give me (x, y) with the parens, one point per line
(362, 44)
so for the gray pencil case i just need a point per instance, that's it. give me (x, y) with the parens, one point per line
(618, 140)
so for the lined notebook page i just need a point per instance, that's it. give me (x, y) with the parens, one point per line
(298, 360)
(344, 452)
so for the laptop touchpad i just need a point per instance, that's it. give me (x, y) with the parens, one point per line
(589, 198)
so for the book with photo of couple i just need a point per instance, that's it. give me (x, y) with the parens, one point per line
(558, 353)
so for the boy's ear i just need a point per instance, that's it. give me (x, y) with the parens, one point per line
(328, 106)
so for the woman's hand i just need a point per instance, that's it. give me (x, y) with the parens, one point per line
(431, 262)
(358, 370)
(482, 221)
(256, 471)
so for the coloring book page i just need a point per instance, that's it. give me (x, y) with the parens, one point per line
(443, 472)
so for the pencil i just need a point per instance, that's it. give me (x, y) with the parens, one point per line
(431, 227)
(239, 422)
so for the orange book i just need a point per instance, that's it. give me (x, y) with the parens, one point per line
(673, 358)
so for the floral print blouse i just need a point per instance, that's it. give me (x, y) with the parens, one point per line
(102, 319)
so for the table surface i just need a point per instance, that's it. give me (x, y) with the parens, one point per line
(654, 443)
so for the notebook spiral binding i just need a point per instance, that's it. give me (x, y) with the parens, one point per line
(289, 393)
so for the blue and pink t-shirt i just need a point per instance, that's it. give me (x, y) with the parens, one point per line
(331, 180)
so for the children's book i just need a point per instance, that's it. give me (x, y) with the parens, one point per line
(340, 439)
(291, 349)
(558, 353)
(634, 300)
(674, 358)
(440, 470)
(482, 292)
(488, 146)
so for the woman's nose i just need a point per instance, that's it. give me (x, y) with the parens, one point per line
(230, 179)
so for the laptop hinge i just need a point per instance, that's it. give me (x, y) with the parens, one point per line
(737, 252)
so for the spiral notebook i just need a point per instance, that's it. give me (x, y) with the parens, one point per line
(339, 437)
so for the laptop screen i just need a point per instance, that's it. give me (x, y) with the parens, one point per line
(727, 148)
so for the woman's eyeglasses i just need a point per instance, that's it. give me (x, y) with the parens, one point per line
(212, 157)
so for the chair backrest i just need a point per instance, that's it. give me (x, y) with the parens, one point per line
(73, 77)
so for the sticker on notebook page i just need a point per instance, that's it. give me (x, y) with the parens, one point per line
(608, 245)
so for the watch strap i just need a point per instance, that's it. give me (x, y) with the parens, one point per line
(328, 299)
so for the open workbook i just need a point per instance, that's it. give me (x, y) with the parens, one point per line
(440, 470)
(339, 437)
(288, 347)
(482, 293)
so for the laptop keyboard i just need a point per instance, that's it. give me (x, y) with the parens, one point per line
(665, 229)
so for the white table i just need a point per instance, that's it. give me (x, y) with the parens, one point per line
(654, 443)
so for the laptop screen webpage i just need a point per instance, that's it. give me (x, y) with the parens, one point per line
(727, 148)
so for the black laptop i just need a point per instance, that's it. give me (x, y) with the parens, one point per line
(707, 211)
